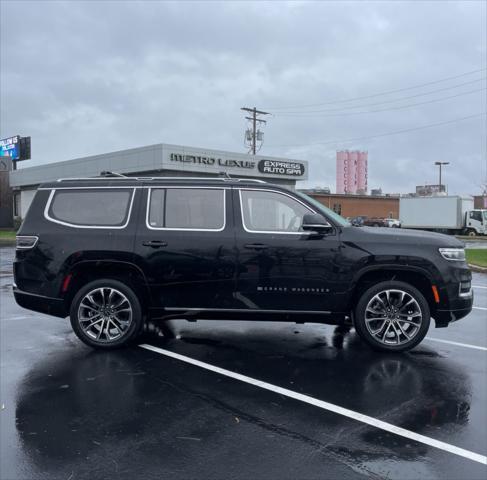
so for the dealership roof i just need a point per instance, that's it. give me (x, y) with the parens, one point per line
(177, 159)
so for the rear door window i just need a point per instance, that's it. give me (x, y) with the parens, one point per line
(187, 209)
(97, 208)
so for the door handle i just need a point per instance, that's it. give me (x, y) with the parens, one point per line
(155, 243)
(256, 246)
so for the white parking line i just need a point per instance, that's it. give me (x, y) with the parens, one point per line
(458, 344)
(374, 422)
(479, 308)
(479, 286)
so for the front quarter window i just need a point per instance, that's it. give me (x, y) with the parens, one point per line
(269, 211)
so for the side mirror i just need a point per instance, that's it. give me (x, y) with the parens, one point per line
(316, 223)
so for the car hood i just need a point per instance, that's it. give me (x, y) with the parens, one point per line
(402, 235)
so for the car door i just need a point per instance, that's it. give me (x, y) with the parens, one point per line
(279, 266)
(185, 246)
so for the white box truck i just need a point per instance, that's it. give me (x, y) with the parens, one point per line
(446, 214)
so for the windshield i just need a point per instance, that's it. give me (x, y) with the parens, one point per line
(325, 210)
(485, 215)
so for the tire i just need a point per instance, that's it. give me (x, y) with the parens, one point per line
(471, 233)
(397, 335)
(106, 314)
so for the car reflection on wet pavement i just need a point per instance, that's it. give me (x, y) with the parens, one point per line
(70, 412)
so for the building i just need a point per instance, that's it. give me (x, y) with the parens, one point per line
(351, 172)
(157, 160)
(360, 205)
(428, 190)
(6, 213)
(480, 201)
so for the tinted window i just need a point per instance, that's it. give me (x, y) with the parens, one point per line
(90, 207)
(271, 212)
(187, 208)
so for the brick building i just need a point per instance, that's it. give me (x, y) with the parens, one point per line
(356, 205)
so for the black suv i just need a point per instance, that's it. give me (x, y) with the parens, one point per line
(114, 252)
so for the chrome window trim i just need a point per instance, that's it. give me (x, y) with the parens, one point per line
(270, 231)
(169, 229)
(98, 227)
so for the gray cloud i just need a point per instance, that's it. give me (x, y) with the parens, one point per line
(90, 77)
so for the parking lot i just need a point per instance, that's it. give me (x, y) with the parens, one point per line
(235, 400)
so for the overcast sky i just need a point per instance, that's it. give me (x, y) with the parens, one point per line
(91, 77)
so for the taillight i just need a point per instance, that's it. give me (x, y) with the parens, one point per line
(25, 242)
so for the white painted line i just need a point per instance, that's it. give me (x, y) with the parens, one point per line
(458, 344)
(374, 422)
(479, 308)
(479, 286)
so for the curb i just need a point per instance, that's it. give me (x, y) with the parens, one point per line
(476, 268)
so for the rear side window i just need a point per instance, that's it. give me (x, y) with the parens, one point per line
(107, 208)
(187, 208)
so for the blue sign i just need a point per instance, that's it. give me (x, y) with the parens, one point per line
(10, 147)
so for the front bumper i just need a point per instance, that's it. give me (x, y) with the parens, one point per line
(461, 307)
(40, 303)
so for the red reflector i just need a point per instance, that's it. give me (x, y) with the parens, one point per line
(66, 281)
(435, 293)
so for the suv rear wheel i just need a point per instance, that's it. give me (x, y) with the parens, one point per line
(106, 314)
(392, 316)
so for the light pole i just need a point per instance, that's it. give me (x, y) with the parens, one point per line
(440, 164)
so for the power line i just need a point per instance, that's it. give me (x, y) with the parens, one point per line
(400, 107)
(304, 113)
(380, 93)
(396, 132)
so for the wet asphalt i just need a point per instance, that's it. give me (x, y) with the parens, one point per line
(68, 412)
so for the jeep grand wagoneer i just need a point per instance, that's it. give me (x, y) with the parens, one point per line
(111, 253)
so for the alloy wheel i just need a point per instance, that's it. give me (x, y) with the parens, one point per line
(105, 314)
(393, 317)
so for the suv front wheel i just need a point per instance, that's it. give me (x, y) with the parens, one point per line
(106, 314)
(392, 316)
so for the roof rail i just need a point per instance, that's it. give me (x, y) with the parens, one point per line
(106, 173)
(123, 177)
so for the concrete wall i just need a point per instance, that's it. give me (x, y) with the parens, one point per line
(26, 197)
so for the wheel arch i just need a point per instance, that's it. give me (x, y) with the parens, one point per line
(415, 276)
(86, 271)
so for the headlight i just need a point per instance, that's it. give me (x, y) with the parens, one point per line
(453, 254)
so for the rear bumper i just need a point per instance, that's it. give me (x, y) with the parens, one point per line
(40, 303)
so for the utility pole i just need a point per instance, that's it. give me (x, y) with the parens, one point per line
(440, 164)
(254, 133)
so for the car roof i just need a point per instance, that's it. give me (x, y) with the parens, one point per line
(121, 181)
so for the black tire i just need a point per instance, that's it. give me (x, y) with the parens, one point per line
(471, 233)
(417, 332)
(133, 327)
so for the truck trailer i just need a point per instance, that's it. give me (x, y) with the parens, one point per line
(446, 214)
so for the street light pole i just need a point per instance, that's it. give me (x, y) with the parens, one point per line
(440, 164)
